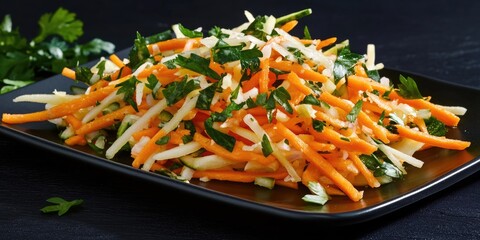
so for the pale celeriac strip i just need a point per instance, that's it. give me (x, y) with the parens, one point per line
(113, 97)
(260, 132)
(141, 123)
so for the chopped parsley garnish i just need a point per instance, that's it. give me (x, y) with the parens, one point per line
(282, 96)
(380, 166)
(189, 33)
(128, 89)
(310, 99)
(177, 90)
(435, 127)
(266, 146)
(163, 140)
(408, 88)
(206, 96)
(353, 114)
(217, 32)
(139, 52)
(222, 139)
(318, 125)
(197, 64)
(345, 63)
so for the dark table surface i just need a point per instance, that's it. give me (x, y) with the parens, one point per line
(440, 39)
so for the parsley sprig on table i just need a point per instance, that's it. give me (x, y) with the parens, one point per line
(61, 205)
(24, 61)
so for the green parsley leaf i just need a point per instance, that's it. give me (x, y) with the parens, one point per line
(408, 88)
(217, 32)
(223, 53)
(191, 127)
(310, 99)
(83, 74)
(222, 139)
(318, 125)
(189, 33)
(266, 146)
(175, 91)
(162, 36)
(282, 96)
(40, 58)
(128, 89)
(139, 52)
(250, 60)
(435, 127)
(352, 115)
(345, 62)
(380, 167)
(163, 140)
(152, 81)
(61, 205)
(206, 96)
(297, 54)
(256, 28)
(63, 23)
(197, 64)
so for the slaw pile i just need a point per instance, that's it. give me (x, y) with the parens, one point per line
(251, 104)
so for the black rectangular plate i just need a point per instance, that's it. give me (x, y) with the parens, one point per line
(442, 168)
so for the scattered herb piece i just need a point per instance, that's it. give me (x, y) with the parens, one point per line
(61, 205)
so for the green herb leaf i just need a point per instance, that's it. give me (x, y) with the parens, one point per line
(256, 28)
(380, 167)
(222, 139)
(206, 95)
(162, 36)
(61, 205)
(408, 88)
(217, 32)
(189, 33)
(310, 99)
(353, 114)
(128, 89)
(345, 62)
(62, 23)
(282, 96)
(318, 125)
(175, 91)
(163, 140)
(435, 127)
(223, 53)
(197, 64)
(83, 74)
(139, 52)
(266, 146)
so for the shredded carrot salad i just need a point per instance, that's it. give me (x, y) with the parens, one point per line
(251, 104)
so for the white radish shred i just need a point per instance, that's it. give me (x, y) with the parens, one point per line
(258, 130)
(171, 153)
(113, 97)
(137, 126)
